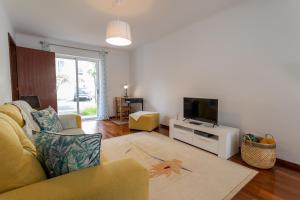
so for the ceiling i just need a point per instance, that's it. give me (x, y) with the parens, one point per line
(84, 21)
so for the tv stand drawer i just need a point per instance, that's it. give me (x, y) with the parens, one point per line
(205, 143)
(184, 136)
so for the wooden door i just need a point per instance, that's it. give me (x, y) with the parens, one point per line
(36, 75)
(13, 68)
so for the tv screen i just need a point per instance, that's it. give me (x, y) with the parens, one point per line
(205, 110)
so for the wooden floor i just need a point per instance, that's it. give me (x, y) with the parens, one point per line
(275, 184)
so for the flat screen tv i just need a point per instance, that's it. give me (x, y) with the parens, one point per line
(205, 110)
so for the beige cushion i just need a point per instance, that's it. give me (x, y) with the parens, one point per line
(68, 121)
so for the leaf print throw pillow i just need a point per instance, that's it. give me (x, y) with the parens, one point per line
(47, 120)
(61, 154)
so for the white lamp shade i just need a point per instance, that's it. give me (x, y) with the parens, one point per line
(118, 33)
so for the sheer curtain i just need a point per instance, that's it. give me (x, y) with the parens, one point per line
(103, 112)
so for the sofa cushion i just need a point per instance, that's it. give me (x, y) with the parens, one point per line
(19, 166)
(73, 131)
(13, 112)
(61, 154)
(124, 179)
(48, 120)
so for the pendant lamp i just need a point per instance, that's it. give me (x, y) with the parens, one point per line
(118, 33)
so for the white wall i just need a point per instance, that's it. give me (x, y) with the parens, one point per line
(246, 56)
(5, 82)
(117, 62)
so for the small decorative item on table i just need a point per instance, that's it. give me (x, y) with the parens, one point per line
(259, 152)
(125, 88)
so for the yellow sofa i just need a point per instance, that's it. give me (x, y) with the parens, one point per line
(147, 122)
(22, 177)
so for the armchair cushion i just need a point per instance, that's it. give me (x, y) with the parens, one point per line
(48, 120)
(73, 131)
(71, 121)
(61, 154)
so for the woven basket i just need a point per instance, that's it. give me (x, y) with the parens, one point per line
(258, 155)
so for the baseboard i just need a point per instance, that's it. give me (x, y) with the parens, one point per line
(164, 126)
(288, 164)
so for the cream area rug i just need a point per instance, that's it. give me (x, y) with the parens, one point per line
(179, 171)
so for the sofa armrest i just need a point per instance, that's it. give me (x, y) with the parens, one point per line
(70, 121)
(124, 179)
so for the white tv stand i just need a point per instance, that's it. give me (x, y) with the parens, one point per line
(220, 140)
